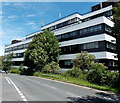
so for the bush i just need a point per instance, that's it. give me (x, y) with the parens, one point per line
(112, 79)
(83, 60)
(37, 74)
(97, 73)
(74, 72)
(51, 67)
(15, 70)
(101, 76)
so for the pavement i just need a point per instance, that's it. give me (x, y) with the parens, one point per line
(20, 88)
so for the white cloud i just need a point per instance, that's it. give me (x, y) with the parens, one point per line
(30, 23)
(18, 4)
(12, 16)
(31, 15)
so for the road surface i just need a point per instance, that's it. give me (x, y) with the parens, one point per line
(34, 89)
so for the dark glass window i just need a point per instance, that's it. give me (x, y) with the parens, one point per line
(90, 45)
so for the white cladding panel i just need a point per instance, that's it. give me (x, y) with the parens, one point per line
(89, 23)
(62, 20)
(19, 43)
(16, 51)
(98, 55)
(94, 38)
(97, 12)
(17, 59)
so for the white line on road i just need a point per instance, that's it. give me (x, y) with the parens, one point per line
(19, 92)
(73, 95)
(7, 80)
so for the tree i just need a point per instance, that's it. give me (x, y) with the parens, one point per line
(7, 63)
(43, 49)
(116, 30)
(51, 67)
(83, 60)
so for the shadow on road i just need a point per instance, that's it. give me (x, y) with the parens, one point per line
(99, 98)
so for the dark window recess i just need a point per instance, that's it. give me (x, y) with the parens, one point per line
(23, 46)
(111, 64)
(18, 55)
(107, 14)
(65, 63)
(17, 63)
(93, 30)
(66, 23)
(90, 47)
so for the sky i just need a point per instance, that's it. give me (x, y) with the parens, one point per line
(22, 18)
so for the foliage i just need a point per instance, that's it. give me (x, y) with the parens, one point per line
(15, 70)
(83, 60)
(74, 72)
(43, 49)
(116, 30)
(97, 73)
(101, 76)
(7, 63)
(51, 67)
(37, 73)
(1, 61)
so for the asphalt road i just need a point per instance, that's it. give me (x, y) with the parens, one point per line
(28, 88)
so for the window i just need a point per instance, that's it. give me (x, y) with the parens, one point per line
(108, 29)
(67, 62)
(90, 45)
(111, 46)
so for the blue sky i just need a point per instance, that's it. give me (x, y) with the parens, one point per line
(22, 18)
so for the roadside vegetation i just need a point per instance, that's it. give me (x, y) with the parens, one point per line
(42, 61)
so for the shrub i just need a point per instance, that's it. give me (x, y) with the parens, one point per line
(46, 69)
(15, 70)
(101, 76)
(74, 72)
(51, 67)
(97, 73)
(112, 79)
(83, 60)
(37, 74)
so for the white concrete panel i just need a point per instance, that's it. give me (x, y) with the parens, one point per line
(89, 23)
(94, 38)
(19, 43)
(17, 59)
(110, 39)
(62, 20)
(97, 12)
(98, 55)
(16, 51)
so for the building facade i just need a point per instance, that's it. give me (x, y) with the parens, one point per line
(88, 32)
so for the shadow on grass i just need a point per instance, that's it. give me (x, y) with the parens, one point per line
(99, 98)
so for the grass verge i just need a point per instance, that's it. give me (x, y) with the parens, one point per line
(77, 81)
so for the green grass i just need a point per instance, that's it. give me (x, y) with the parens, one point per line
(77, 81)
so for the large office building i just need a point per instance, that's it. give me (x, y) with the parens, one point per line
(88, 32)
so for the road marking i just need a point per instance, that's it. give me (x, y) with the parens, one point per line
(8, 80)
(19, 92)
(72, 94)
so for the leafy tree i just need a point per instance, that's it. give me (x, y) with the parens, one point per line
(43, 49)
(51, 67)
(7, 63)
(83, 60)
(116, 30)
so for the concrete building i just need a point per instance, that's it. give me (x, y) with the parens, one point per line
(88, 32)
